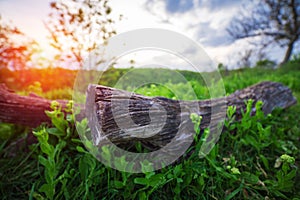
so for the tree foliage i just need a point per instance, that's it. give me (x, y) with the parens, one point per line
(16, 49)
(272, 21)
(79, 26)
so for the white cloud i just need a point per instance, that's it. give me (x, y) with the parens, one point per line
(134, 15)
(204, 22)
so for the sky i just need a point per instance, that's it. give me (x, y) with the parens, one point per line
(204, 21)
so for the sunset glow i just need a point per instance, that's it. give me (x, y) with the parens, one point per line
(203, 21)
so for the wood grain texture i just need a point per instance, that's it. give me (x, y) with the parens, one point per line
(153, 121)
(126, 118)
(24, 110)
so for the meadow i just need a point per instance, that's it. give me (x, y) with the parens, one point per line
(255, 158)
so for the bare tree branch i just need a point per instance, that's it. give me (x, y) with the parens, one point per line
(275, 19)
(77, 27)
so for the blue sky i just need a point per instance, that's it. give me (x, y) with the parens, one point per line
(204, 21)
(187, 5)
(179, 6)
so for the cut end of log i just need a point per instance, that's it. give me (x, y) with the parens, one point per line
(126, 118)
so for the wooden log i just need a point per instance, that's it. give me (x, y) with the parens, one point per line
(30, 111)
(24, 110)
(125, 118)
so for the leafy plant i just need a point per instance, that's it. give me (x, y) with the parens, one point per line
(255, 158)
(50, 153)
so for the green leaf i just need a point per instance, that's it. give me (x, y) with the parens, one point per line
(48, 190)
(291, 175)
(82, 126)
(47, 148)
(43, 161)
(250, 178)
(177, 189)
(179, 180)
(177, 170)
(122, 163)
(80, 149)
(118, 184)
(146, 166)
(235, 192)
(149, 175)
(252, 141)
(235, 170)
(106, 154)
(55, 131)
(156, 180)
(87, 164)
(142, 196)
(188, 178)
(265, 161)
(70, 118)
(83, 168)
(141, 181)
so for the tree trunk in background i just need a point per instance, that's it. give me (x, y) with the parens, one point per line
(288, 52)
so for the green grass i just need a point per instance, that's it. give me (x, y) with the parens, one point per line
(256, 158)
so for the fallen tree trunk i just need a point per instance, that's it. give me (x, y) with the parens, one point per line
(30, 111)
(125, 118)
(24, 110)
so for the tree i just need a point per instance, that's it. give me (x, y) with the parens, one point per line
(79, 26)
(16, 49)
(270, 21)
(245, 58)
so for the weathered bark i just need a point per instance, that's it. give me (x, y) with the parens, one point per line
(125, 118)
(146, 113)
(23, 110)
